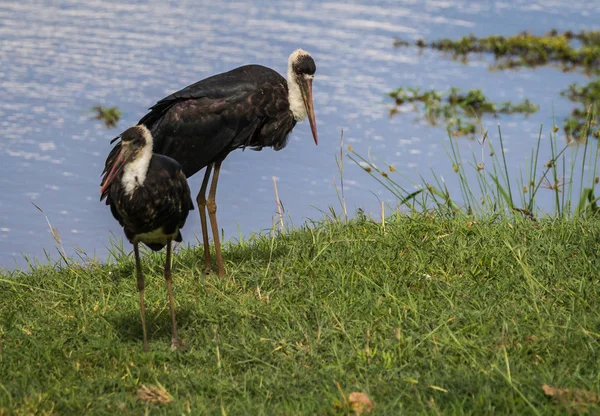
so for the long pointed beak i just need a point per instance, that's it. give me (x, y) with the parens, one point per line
(307, 96)
(116, 167)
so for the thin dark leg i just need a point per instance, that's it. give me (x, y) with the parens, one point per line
(140, 284)
(175, 343)
(212, 215)
(201, 201)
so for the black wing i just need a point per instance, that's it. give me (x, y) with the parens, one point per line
(238, 82)
(205, 121)
(163, 201)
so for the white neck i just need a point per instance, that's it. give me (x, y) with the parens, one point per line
(295, 96)
(134, 173)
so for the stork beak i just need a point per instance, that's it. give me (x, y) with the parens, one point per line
(307, 96)
(122, 158)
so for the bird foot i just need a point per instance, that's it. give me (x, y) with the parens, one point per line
(176, 344)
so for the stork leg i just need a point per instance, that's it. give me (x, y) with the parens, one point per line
(140, 284)
(175, 342)
(201, 201)
(212, 215)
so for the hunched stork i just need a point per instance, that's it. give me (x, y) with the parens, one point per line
(250, 106)
(149, 196)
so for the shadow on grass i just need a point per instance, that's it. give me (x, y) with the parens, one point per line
(129, 324)
(261, 250)
(256, 253)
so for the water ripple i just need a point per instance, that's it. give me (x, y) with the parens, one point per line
(60, 58)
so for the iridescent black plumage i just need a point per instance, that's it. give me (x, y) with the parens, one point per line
(149, 195)
(250, 106)
(162, 202)
(245, 107)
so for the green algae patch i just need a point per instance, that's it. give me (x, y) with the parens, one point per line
(569, 50)
(583, 119)
(454, 106)
(110, 115)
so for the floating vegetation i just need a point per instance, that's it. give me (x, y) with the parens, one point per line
(582, 121)
(461, 128)
(568, 49)
(453, 106)
(582, 124)
(110, 115)
(586, 94)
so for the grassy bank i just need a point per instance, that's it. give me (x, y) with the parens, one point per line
(425, 315)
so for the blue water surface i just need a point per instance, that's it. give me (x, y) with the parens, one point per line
(60, 58)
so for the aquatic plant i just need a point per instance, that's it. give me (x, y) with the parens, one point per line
(454, 105)
(485, 187)
(110, 115)
(568, 49)
(587, 96)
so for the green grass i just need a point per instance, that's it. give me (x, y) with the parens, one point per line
(425, 314)
(484, 187)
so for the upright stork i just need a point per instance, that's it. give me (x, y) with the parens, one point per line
(149, 195)
(250, 106)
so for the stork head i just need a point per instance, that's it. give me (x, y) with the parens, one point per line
(135, 143)
(301, 71)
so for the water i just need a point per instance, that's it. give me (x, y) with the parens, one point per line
(60, 58)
